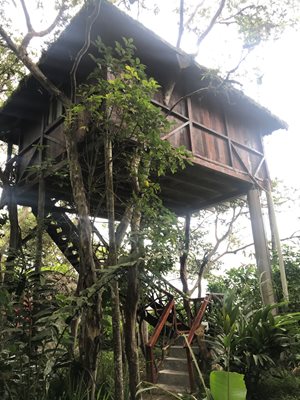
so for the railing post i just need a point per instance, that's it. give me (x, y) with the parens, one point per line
(190, 370)
(150, 367)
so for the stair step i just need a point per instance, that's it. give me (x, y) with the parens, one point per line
(173, 378)
(176, 364)
(180, 351)
(160, 392)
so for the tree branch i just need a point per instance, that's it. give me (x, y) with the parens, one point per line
(89, 23)
(100, 237)
(192, 16)
(32, 33)
(27, 17)
(211, 24)
(243, 58)
(34, 69)
(123, 225)
(230, 20)
(181, 25)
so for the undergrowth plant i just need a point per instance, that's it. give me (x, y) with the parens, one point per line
(253, 341)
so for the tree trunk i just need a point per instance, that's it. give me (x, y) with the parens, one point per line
(40, 227)
(131, 307)
(117, 341)
(183, 265)
(112, 260)
(144, 335)
(14, 237)
(89, 339)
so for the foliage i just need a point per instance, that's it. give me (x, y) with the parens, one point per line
(121, 107)
(244, 281)
(291, 256)
(38, 358)
(275, 386)
(32, 339)
(251, 341)
(11, 71)
(225, 385)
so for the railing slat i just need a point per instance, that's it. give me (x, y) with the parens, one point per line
(198, 318)
(161, 322)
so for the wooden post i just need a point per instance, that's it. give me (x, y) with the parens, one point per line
(275, 235)
(261, 247)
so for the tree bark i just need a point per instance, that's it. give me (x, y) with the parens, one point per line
(89, 339)
(132, 299)
(183, 265)
(112, 260)
(40, 226)
(14, 236)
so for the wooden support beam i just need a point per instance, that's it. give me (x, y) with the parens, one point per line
(261, 247)
(275, 234)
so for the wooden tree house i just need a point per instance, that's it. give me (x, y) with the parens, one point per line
(219, 125)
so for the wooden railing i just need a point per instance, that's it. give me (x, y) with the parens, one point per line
(195, 325)
(164, 322)
(197, 320)
(151, 366)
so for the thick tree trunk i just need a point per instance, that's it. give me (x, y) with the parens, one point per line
(144, 335)
(14, 237)
(132, 299)
(40, 227)
(89, 339)
(117, 341)
(112, 260)
(183, 265)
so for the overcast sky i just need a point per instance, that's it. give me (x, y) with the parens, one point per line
(278, 65)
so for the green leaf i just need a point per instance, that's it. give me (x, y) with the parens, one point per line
(227, 386)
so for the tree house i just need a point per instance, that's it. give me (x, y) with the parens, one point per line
(219, 125)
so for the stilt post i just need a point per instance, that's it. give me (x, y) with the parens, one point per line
(275, 235)
(261, 247)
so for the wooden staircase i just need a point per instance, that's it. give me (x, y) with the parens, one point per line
(173, 370)
(162, 308)
(64, 234)
(174, 375)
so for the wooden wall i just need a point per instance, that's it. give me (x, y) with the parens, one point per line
(218, 139)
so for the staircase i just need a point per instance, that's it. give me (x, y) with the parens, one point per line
(65, 235)
(162, 309)
(174, 376)
(174, 370)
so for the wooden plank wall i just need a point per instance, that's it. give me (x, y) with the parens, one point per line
(222, 141)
